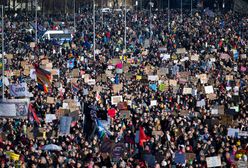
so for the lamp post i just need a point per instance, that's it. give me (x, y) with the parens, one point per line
(94, 29)
(125, 31)
(2, 53)
(36, 22)
(168, 15)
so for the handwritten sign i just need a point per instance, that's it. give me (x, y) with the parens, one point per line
(214, 161)
(116, 99)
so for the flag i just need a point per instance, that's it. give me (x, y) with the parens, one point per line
(142, 136)
(74, 87)
(70, 63)
(43, 76)
(102, 131)
(42, 86)
(32, 110)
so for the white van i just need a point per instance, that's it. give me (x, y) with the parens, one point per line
(58, 35)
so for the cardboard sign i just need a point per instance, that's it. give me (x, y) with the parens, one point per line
(229, 77)
(212, 96)
(153, 77)
(162, 71)
(125, 114)
(117, 88)
(122, 106)
(181, 51)
(214, 161)
(221, 109)
(9, 56)
(187, 91)
(241, 164)
(158, 133)
(203, 78)
(75, 73)
(50, 100)
(173, 82)
(226, 120)
(116, 99)
(190, 156)
(209, 89)
(62, 112)
(184, 75)
(194, 57)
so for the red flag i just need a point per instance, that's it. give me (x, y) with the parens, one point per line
(142, 136)
(31, 109)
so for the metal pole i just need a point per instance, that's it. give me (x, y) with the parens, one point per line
(150, 20)
(125, 32)
(168, 15)
(36, 22)
(2, 54)
(191, 7)
(74, 17)
(94, 27)
(181, 11)
(102, 12)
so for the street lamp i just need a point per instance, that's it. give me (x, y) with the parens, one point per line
(94, 29)
(2, 53)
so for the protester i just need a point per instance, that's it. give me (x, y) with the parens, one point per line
(175, 98)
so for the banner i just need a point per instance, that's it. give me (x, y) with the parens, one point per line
(213, 161)
(17, 108)
(19, 90)
(64, 126)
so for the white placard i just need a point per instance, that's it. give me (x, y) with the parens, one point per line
(187, 91)
(153, 77)
(232, 132)
(19, 90)
(153, 103)
(17, 108)
(214, 161)
(50, 118)
(214, 112)
(243, 133)
(165, 56)
(116, 99)
(91, 82)
(209, 89)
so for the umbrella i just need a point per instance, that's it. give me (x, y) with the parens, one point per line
(52, 147)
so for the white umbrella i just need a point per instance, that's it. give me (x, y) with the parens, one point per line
(52, 147)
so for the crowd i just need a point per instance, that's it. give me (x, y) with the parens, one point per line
(177, 97)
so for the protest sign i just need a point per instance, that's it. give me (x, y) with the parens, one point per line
(19, 90)
(117, 87)
(62, 112)
(125, 114)
(214, 111)
(91, 82)
(211, 96)
(162, 71)
(200, 103)
(190, 156)
(194, 57)
(180, 158)
(184, 74)
(165, 56)
(231, 132)
(50, 118)
(213, 161)
(229, 77)
(187, 91)
(153, 103)
(153, 77)
(9, 56)
(173, 82)
(203, 78)
(241, 164)
(75, 73)
(181, 51)
(221, 109)
(116, 99)
(64, 126)
(158, 133)
(32, 44)
(226, 120)
(106, 146)
(50, 100)
(243, 133)
(13, 156)
(209, 89)
(122, 106)
(118, 151)
(16, 108)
